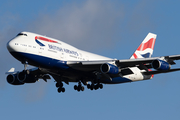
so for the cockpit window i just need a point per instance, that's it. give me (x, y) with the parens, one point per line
(21, 34)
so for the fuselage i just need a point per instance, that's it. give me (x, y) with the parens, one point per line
(38, 45)
(45, 52)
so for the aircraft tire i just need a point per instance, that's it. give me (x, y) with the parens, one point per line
(75, 87)
(92, 87)
(59, 90)
(78, 89)
(100, 86)
(61, 84)
(88, 86)
(57, 85)
(63, 89)
(96, 87)
(82, 88)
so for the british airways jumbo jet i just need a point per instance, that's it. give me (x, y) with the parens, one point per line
(66, 63)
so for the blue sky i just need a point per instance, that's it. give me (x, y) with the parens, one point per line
(110, 28)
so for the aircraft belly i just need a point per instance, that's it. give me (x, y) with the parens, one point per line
(117, 80)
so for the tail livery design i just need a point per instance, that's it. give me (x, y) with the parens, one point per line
(145, 50)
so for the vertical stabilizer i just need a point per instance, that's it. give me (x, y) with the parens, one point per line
(145, 50)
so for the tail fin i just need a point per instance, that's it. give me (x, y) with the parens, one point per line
(145, 50)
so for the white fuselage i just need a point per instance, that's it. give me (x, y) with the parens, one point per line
(56, 50)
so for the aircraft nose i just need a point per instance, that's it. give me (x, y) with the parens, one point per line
(10, 46)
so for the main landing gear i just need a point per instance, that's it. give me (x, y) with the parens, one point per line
(95, 87)
(79, 87)
(91, 86)
(60, 87)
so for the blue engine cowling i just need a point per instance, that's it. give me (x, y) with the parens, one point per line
(160, 65)
(109, 68)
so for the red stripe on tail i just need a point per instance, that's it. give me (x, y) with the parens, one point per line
(148, 44)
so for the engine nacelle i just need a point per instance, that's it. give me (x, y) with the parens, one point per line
(12, 79)
(109, 68)
(160, 65)
(25, 78)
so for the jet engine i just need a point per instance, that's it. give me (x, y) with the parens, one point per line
(12, 79)
(160, 65)
(109, 68)
(24, 77)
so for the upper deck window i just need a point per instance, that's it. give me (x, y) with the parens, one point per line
(21, 34)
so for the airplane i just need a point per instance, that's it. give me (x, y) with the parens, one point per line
(65, 63)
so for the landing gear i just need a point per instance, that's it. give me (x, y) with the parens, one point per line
(79, 87)
(25, 71)
(25, 64)
(60, 87)
(95, 87)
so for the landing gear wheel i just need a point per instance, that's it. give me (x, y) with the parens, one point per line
(61, 84)
(59, 90)
(82, 88)
(63, 89)
(75, 87)
(78, 89)
(60, 87)
(96, 87)
(100, 86)
(92, 87)
(88, 86)
(57, 85)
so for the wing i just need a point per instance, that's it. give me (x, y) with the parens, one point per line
(26, 76)
(144, 63)
(134, 62)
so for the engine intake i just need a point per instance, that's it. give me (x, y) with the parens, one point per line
(160, 65)
(109, 68)
(22, 76)
(12, 79)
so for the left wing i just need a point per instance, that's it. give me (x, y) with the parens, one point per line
(26, 76)
(145, 62)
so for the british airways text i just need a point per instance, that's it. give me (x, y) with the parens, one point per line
(63, 50)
